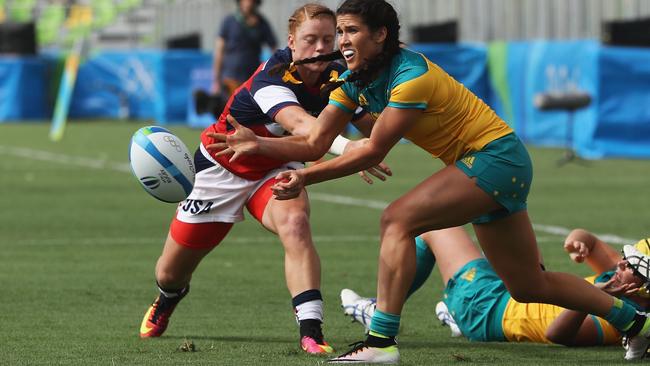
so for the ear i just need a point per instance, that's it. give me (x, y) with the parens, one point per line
(380, 35)
(291, 42)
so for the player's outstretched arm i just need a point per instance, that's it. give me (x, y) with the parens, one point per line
(381, 171)
(243, 141)
(391, 126)
(573, 328)
(298, 122)
(584, 246)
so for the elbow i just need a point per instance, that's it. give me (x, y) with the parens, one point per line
(316, 152)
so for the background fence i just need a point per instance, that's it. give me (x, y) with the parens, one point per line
(478, 20)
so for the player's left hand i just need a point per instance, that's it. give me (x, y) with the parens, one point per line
(289, 184)
(242, 142)
(381, 171)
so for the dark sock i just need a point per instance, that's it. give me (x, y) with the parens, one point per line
(311, 328)
(171, 296)
(380, 342)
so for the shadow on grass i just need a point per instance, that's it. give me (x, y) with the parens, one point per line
(237, 339)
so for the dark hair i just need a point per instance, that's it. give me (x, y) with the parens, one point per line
(375, 14)
(281, 68)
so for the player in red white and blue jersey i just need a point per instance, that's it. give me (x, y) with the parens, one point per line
(272, 105)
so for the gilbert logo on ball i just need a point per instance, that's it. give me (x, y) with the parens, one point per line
(162, 164)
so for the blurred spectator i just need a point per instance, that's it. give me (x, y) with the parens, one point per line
(240, 39)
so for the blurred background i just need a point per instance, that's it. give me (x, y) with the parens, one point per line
(564, 73)
(79, 237)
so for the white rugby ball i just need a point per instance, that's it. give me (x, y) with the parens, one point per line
(162, 164)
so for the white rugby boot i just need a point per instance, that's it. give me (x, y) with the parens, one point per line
(361, 353)
(360, 309)
(442, 312)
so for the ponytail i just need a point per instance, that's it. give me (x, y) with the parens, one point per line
(375, 14)
(280, 69)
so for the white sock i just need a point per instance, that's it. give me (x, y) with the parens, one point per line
(310, 310)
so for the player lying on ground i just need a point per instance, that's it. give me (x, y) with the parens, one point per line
(477, 304)
(273, 105)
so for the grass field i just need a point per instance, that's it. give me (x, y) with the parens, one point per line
(79, 239)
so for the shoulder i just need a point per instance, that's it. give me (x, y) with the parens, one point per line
(264, 21)
(229, 19)
(408, 65)
(228, 23)
(349, 88)
(279, 57)
(263, 79)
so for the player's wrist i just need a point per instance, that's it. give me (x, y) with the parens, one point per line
(339, 145)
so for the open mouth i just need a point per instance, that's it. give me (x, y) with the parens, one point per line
(348, 55)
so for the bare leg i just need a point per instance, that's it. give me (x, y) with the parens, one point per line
(443, 200)
(453, 248)
(438, 202)
(510, 246)
(177, 263)
(290, 221)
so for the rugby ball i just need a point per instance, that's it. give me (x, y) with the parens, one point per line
(162, 164)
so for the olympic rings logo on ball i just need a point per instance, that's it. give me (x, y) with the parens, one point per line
(173, 143)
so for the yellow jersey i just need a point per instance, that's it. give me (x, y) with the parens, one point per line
(454, 121)
(528, 322)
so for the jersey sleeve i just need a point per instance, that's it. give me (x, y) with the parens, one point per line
(412, 89)
(271, 92)
(345, 98)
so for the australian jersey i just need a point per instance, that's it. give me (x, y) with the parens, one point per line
(528, 322)
(453, 122)
(255, 105)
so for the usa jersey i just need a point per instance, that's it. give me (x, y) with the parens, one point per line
(255, 105)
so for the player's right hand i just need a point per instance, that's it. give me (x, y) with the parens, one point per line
(242, 142)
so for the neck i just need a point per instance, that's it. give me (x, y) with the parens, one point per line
(308, 77)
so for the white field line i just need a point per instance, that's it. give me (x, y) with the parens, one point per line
(153, 240)
(51, 157)
(229, 240)
(28, 153)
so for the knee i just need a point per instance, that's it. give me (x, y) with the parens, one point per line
(393, 222)
(294, 222)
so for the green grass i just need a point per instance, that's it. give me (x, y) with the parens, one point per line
(78, 246)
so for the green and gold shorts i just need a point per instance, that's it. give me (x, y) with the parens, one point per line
(502, 169)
